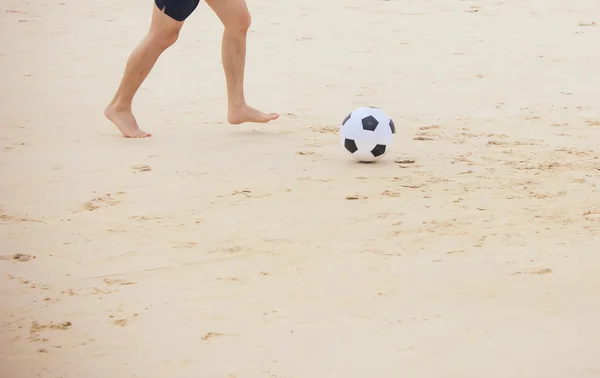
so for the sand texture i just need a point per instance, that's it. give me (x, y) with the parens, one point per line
(264, 251)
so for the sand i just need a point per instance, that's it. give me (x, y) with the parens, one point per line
(210, 250)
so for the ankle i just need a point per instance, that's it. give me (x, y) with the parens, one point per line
(119, 105)
(237, 104)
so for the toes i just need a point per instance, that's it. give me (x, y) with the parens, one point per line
(138, 134)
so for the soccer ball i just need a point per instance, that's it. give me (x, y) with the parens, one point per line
(367, 133)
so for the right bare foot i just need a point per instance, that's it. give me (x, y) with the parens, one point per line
(125, 122)
(245, 113)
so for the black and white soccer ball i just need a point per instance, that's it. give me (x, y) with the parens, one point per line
(367, 133)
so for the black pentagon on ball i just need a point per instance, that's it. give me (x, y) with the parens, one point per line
(350, 145)
(378, 150)
(346, 119)
(369, 123)
(392, 126)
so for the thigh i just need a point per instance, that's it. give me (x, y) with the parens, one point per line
(179, 10)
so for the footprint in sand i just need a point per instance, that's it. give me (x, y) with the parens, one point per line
(304, 153)
(592, 215)
(184, 245)
(36, 330)
(245, 193)
(232, 250)
(405, 163)
(536, 272)
(118, 282)
(107, 200)
(326, 129)
(427, 133)
(391, 193)
(120, 322)
(210, 335)
(141, 168)
(353, 197)
(17, 257)
(11, 218)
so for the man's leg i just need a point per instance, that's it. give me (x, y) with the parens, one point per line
(236, 19)
(163, 33)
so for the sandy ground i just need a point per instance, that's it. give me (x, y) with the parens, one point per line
(217, 251)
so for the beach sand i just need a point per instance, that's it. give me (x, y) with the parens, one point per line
(211, 250)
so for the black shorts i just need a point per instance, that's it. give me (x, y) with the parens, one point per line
(178, 10)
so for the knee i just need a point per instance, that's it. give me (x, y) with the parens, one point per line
(240, 23)
(165, 39)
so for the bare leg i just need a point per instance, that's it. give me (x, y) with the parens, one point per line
(236, 19)
(162, 34)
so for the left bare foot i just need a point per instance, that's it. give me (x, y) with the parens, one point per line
(245, 113)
